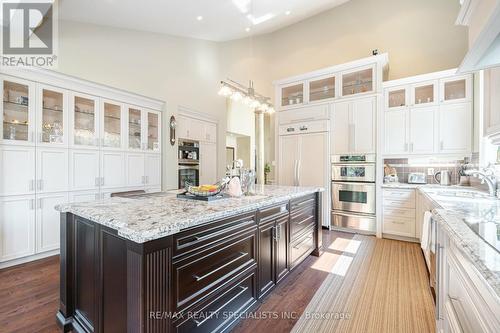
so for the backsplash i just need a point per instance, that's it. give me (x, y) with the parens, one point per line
(405, 166)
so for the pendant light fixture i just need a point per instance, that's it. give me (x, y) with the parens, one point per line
(239, 92)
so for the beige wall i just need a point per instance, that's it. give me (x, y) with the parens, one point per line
(420, 37)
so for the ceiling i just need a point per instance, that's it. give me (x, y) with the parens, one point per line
(215, 20)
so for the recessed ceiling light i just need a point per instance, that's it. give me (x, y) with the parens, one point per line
(288, 12)
(247, 29)
(199, 18)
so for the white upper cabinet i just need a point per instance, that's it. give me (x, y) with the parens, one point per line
(422, 130)
(363, 125)
(18, 111)
(428, 114)
(358, 81)
(396, 132)
(17, 172)
(397, 98)
(322, 88)
(112, 128)
(455, 89)
(152, 131)
(424, 93)
(84, 121)
(353, 126)
(455, 128)
(210, 132)
(292, 95)
(492, 104)
(196, 129)
(52, 116)
(341, 128)
(135, 128)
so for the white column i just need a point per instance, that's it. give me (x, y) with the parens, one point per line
(259, 146)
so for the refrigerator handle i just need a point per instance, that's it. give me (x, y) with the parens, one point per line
(298, 173)
(295, 173)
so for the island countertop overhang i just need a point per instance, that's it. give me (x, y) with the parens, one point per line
(147, 218)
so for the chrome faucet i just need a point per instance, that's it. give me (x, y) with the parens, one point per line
(486, 175)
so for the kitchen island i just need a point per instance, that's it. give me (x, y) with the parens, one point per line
(156, 263)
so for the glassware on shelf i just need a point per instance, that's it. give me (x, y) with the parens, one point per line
(112, 125)
(15, 111)
(134, 128)
(85, 122)
(153, 135)
(12, 134)
(292, 95)
(454, 90)
(397, 98)
(357, 82)
(424, 94)
(56, 132)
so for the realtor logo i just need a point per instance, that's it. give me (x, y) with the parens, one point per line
(28, 33)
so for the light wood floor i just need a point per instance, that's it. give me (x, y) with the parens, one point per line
(384, 289)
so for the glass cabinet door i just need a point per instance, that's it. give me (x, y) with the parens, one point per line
(112, 125)
(321, 89)
(455, 89)
(357, 82)
(424, 94)
(396, 98)
(17, 112)
(292, 95)
(153, 131)
(52, 120)
(85, 121)
(134, 128)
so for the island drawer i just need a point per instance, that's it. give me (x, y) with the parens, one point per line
(195, 239)
(197, 277)
(307, 200)
(221, 310)
(272, 213)
(300, 219)
(302, 247)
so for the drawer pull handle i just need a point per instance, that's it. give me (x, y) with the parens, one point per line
(305, 240)
(199, 323)
(204, 276)
(397, 222)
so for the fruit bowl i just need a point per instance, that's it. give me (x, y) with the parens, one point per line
(205, 190)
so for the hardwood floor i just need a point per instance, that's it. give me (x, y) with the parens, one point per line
(388, 292)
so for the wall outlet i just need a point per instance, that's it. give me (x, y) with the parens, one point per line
(430, 172)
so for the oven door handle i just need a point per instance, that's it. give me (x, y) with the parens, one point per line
(298, 173)
(189, 167)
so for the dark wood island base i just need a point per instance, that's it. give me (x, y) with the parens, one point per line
(201, 279)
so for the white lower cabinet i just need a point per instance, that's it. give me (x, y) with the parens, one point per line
(112, 169)
(52, 170)
(153, 170)
(48, 220)
(135, 169)
(17, 172)
(17, 227)
(84, 170)
(399, 212)
(208, 163)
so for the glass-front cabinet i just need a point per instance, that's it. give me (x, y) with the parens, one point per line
(292, 95)
(112, 126)
(153, 131)
(358, 81)
(322, 88)
(52, 116)
(396, 98)
(85, 120)
(456, 89)
(424, 94)
(18, 111)
(134, 128)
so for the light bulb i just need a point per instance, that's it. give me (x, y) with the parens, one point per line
(255, 104)
(247, 100)
(236, 96)
(225, 91)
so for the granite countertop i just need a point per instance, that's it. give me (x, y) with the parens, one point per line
(456, 207)
(146, 218)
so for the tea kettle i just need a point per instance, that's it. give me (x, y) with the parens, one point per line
(444, 177)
